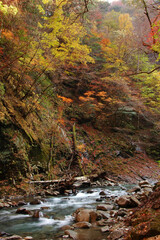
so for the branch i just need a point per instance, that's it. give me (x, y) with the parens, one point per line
(144, 72)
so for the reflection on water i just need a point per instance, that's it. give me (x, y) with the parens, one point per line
(57, 215)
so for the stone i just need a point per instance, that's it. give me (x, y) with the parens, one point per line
(82, 225)
(121, 213)
(35, 202)
(14, 237)
(1, 205)
(45, 208)
(93, 216)
(134, 202)
(116, 234)
(28, 238)
(102, 193)
(102, 222)
(83, 215)
(90, 191)
(21, 203)
(23, 211)
(154, 238)
(55, 193)
(67, 227)
(147, 190)
(134, 190)
(99, 200)
(143, 183)
(105, 229)
(68, 192)
(36, 214)
(103, 214)
(104, 207)
(72, 234)
(123, 201)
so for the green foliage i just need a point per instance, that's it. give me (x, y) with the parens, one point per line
(150, 89)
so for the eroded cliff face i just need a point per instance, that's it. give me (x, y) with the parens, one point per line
(120, 137)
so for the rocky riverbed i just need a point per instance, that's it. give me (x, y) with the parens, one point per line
(105, 210)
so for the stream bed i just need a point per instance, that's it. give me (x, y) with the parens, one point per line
(57, 212)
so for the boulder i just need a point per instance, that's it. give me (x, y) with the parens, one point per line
(123, 201)
(127, 202)
(82, 225)
(83, 215)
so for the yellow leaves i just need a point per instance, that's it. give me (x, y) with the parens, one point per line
(62, 41)
(125, 23)
(5, 9)
(66, 100)
(81, 147)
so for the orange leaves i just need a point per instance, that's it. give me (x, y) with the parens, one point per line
(66, 100)
(8, 34)
(89, 93)
(104, 42)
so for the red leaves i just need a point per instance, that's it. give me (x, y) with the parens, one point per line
(1, 50)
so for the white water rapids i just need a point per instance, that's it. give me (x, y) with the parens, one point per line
(58, 214)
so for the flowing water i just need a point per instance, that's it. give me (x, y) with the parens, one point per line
(58, 214)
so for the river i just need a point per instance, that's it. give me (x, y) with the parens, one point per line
(58, 213)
